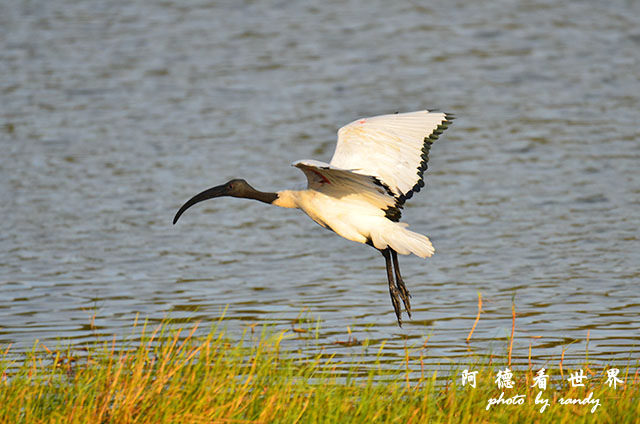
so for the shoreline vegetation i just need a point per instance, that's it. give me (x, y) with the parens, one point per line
(169, 375)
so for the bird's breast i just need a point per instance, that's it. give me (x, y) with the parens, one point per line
(310, 202)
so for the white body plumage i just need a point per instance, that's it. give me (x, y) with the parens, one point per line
(355, 218)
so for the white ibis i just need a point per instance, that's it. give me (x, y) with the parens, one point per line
(378, 164)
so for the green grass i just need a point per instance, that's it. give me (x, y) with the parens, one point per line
(168, 376)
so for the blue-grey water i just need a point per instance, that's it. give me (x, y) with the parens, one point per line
(112, 114)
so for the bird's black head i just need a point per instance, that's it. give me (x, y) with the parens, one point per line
(237, 188)
(233, 188)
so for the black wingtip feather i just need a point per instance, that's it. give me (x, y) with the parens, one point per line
(428, 141)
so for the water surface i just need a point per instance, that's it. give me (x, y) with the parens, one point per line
(113, 114)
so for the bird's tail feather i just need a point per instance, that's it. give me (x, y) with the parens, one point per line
(399, 238)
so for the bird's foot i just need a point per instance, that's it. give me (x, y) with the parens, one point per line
(395, 301)
(402, 289)
(404, 295)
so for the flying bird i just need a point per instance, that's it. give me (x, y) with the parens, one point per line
(377, 165)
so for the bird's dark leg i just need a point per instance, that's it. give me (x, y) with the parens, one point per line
(393, 291)
(404, 293)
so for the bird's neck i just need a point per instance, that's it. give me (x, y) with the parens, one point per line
(286, 199)
(262, 196)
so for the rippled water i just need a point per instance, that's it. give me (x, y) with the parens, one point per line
(114, 113)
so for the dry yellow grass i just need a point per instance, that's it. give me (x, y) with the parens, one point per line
(173, 376)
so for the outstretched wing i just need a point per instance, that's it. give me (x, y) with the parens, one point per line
(392, 148)
(339, 182)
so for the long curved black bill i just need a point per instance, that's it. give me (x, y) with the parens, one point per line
(207, 194)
